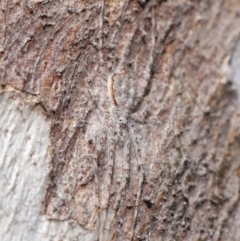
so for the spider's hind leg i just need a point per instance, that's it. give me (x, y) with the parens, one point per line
(140, 171)
(121, 178)
(108, 170)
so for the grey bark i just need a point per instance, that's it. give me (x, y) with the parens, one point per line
(140, 125)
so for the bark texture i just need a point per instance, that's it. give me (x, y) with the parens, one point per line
(144, 118)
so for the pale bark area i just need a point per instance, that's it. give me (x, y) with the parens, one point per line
(140, 127)
(24, 160)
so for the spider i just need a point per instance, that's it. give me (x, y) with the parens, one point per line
(118, 152)
(118, 143)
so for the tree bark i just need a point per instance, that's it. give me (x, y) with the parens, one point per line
(120, 120)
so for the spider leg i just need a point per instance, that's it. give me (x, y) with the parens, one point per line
(122, 180)
(141, 175)
(99, 140)
(126, 165)
(106, 187)
(124, 176)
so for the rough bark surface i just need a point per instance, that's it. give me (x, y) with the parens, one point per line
(144, 121)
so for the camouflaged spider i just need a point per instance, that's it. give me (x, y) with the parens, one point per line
(122, 165)
(121, 155)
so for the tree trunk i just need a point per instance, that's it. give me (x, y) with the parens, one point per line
(120, 120)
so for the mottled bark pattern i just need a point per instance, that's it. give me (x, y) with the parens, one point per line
(145, 128)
